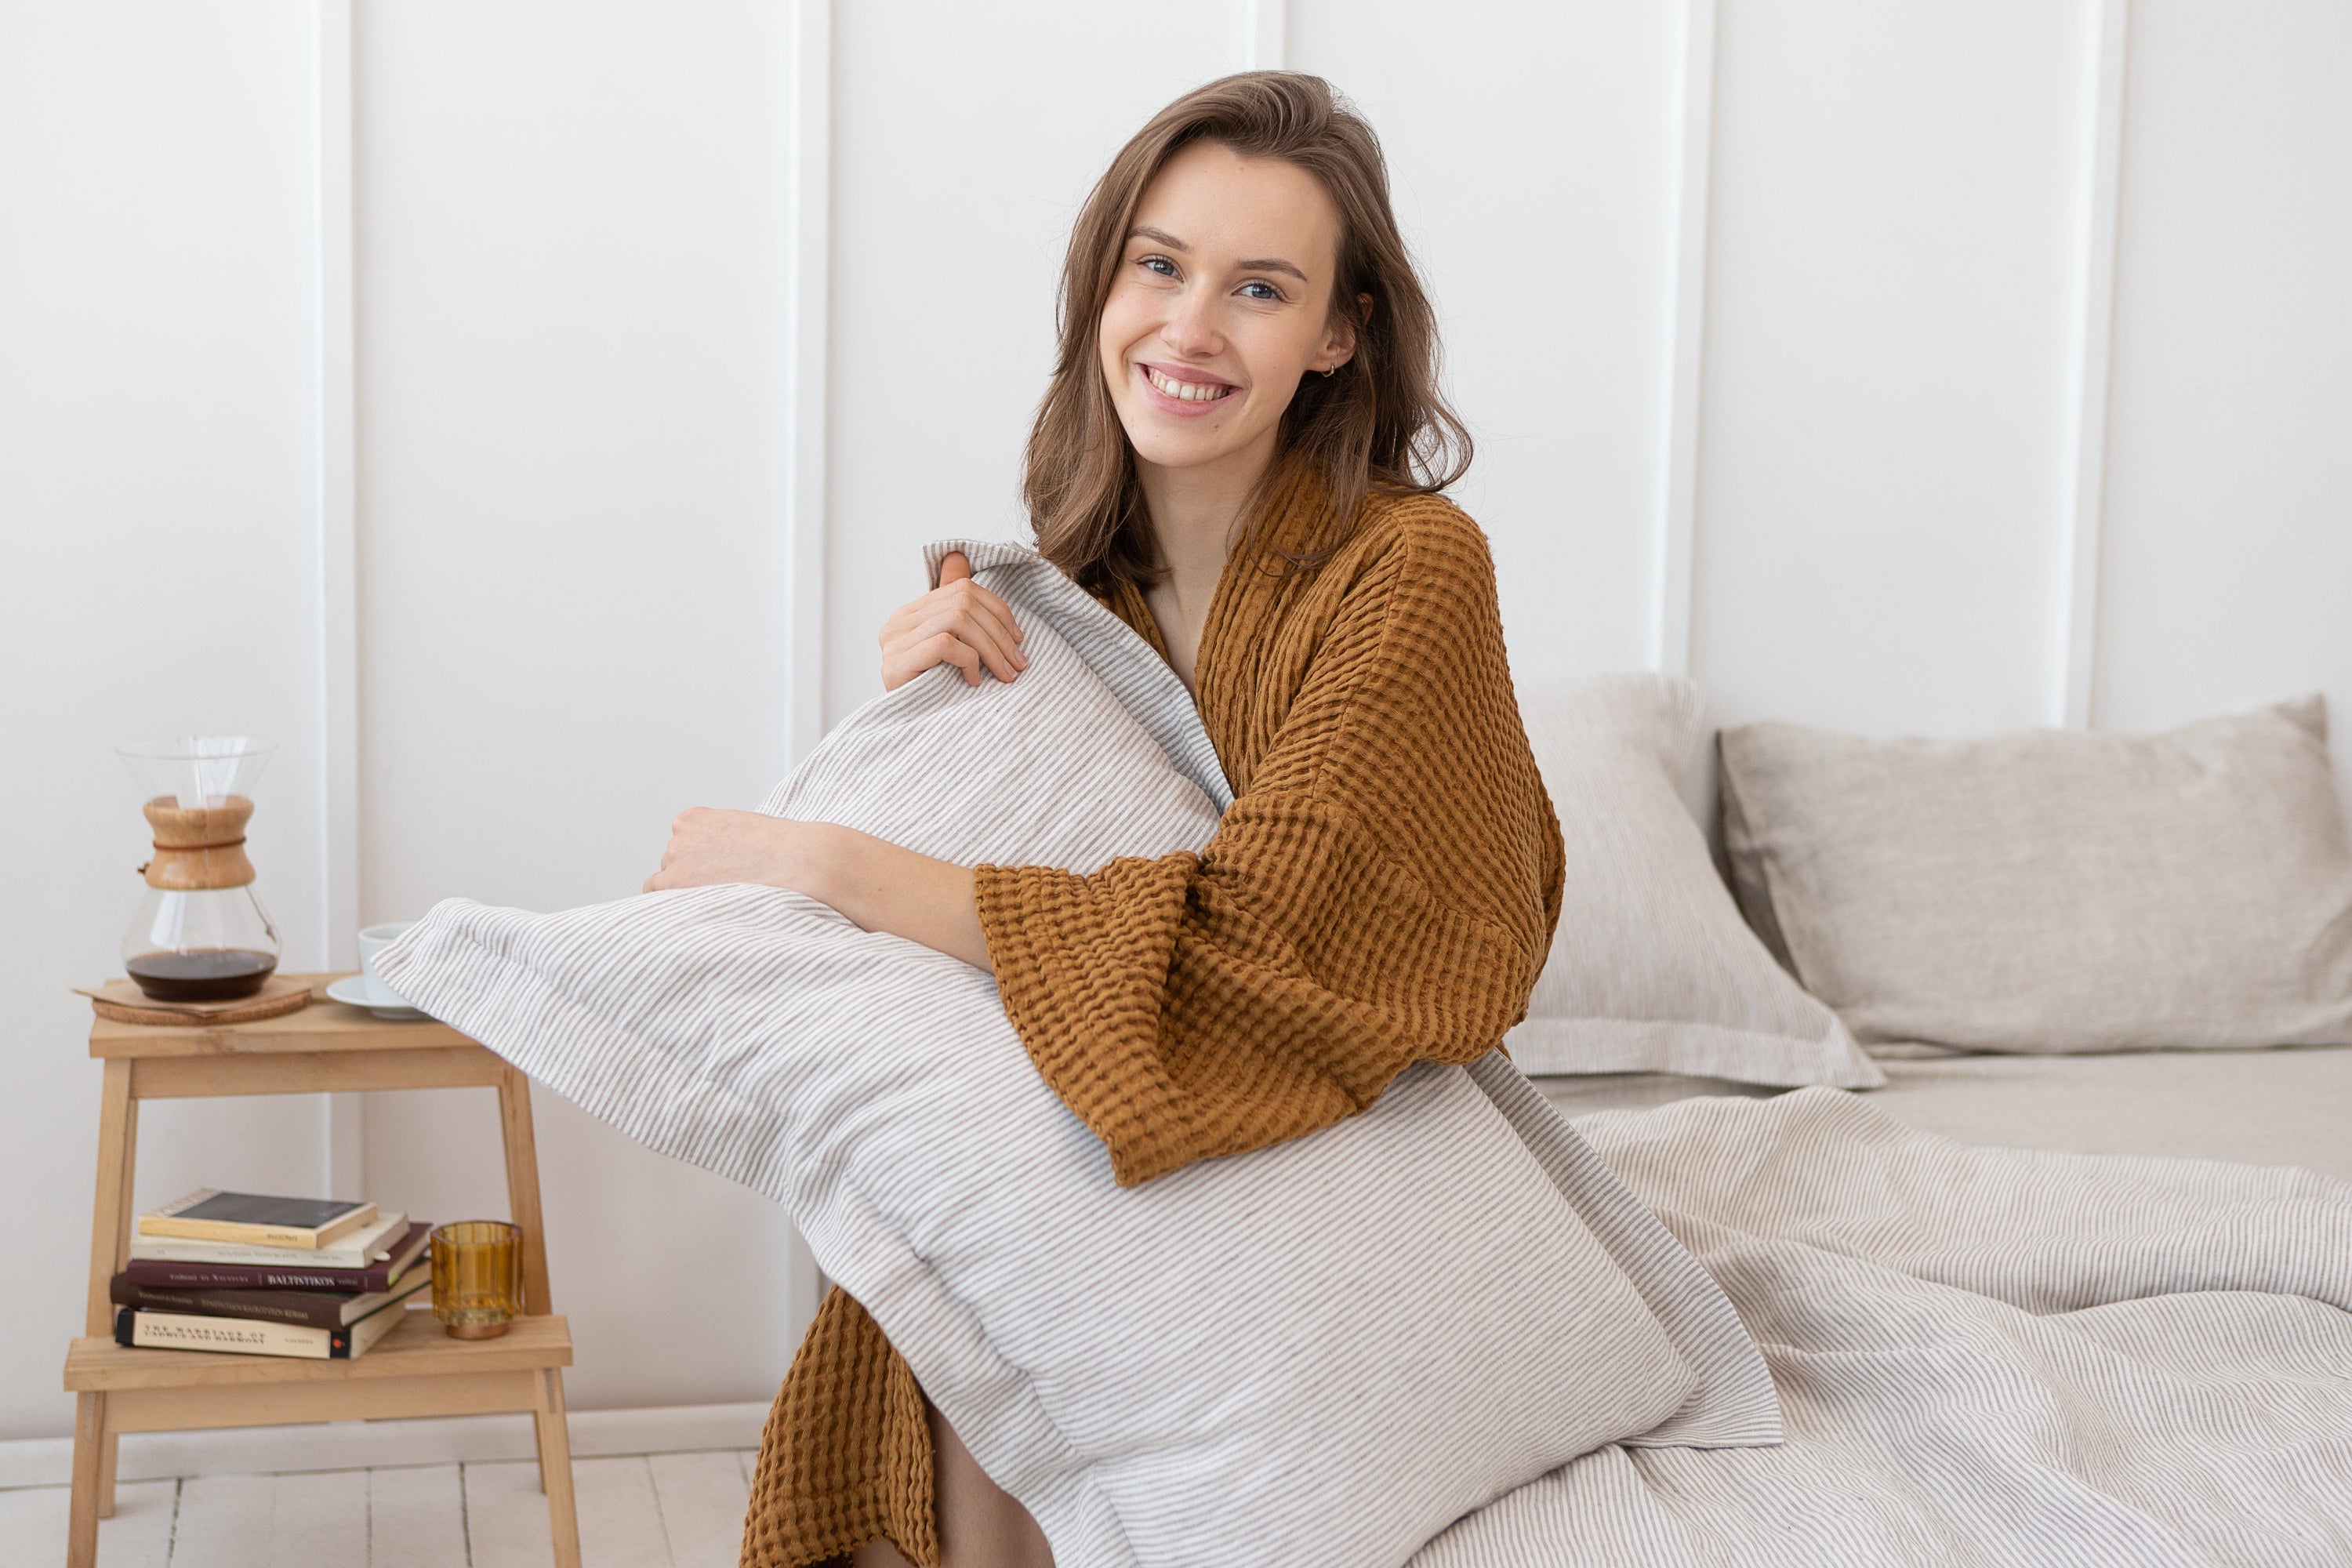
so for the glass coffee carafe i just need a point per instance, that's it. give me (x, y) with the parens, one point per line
(200, 935)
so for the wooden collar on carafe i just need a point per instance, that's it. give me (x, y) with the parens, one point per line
(198, 848)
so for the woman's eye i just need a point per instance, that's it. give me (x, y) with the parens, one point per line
(1260, 291)
(1160, 264)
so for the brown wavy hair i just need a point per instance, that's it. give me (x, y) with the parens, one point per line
(1378, 422)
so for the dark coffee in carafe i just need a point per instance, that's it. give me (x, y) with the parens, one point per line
(201, 975)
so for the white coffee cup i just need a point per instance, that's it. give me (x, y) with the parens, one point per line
(372, 940)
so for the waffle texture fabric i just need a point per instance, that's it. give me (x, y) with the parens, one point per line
(1323, 1350)
(1382, 890)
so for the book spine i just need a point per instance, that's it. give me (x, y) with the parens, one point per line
(313, 1312)
(147, 1330)
(157, 1274)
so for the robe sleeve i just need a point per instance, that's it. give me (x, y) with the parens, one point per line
(1382, 891)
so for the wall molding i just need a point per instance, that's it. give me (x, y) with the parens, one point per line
(2092, 337)
(364, 1445)
(808, 197)
(1670, 631)
(335, 552)
(1265, 35)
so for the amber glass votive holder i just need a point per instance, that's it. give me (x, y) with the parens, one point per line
(476, 1277)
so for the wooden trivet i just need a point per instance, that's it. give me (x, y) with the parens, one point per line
(123, 1002)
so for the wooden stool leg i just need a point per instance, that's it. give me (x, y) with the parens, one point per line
(110, 1224)
(555, 1469)
(110, 1449)
(523, 1186)
(89, 1442)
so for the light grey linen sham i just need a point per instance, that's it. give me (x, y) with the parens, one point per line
(1320, 1352)
(2049, 892)
(1652, 968)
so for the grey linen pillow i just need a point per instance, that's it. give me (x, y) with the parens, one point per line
(1650, 969)
(2055, 891)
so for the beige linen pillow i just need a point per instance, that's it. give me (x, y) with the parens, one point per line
(2055, 891)
(1652, 968)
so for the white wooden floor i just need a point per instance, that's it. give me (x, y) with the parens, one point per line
(645, 1511)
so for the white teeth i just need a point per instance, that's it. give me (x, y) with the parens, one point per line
(1185, 390)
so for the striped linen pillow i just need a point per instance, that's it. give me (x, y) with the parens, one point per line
(1324, 1351)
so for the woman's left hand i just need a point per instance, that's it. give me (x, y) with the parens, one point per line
(708, 847)
(877, 884)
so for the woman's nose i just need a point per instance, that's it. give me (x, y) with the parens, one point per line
(1192, 328)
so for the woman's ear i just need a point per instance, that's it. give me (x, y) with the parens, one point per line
(1339, 337)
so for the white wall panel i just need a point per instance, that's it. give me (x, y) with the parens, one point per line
(2227, 573)
(154, 558)
(1885, 474)
(571, 334)
(1531, 151)
(965, 137)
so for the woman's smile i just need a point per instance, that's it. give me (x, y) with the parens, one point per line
(1184, 390)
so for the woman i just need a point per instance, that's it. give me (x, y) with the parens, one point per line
(1240, 454)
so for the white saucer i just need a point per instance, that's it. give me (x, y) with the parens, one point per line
(351, 990)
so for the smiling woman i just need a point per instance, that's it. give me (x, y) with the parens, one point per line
(1239, 454)
(1242, 248)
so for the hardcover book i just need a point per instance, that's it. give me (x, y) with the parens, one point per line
(254, 1220)
(294, 1272)
(309, 1308)
(137, 1327)
(361, 1249)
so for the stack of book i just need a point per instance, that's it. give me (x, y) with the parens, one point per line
(267, 1276)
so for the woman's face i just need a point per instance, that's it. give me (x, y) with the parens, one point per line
(1222, 304)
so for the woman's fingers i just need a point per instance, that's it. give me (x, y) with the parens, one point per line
(948, 649)
(943, 647)
(977, 631)
(910, 645)
(964, 594)
(973, 600)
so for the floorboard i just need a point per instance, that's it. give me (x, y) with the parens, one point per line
(32, 1525)
(619, 1518)
(416, 1518)
(701, 1498)
(271, 1522)
(506, 1515)
(663, 1510)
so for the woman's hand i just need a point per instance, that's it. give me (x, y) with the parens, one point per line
(708, 847)
(959, 623)
(876, 883)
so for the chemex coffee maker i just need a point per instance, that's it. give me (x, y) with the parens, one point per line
(200, 935)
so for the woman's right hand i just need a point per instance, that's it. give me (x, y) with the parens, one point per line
(958, 623)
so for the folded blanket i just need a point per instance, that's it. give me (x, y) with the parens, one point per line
(1985, 1356)
(1321, 1351)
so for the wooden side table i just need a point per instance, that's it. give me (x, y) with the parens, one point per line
(415, 1370)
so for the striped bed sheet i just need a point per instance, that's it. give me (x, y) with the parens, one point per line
(1984, 1355)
